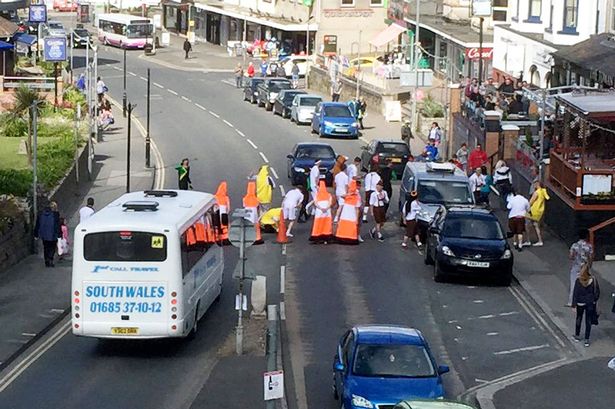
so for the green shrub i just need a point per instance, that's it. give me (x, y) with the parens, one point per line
(15, 182)
(55, 130)
(74, 96)
(432, 108)
(13, 126)
(55, 158)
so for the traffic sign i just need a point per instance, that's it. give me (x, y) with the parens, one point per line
(274, 385)
(54, 49)
(234, 232)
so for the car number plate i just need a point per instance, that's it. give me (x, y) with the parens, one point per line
(344, 130)
(125, 331)
(321, 176)
(481, 264)
(396, 160)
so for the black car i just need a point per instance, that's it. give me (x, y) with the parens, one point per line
(268, 91)
(283, 102)
(80, 37)
(377, 153)
(468, 241)
(302, 159)
(250, 91)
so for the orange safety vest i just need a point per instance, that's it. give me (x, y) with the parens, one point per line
(322, 229)
(347, 228)
(199, 230)
(224, 204)
(250, 203)
(190, 236)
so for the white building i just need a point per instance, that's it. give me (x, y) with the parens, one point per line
(537, 28)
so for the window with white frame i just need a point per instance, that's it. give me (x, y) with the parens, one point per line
(535, 10)
(570, 15)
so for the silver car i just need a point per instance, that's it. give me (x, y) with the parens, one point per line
(303, 107)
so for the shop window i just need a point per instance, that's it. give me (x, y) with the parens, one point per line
(571, 10)
(347, 3)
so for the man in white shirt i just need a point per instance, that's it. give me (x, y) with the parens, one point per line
(86, 211)
(518, 207)
(101, 88)
(353, 169)
(314, 178)
(292, 201)
(477, 180)
(341, 181)
(369, 184)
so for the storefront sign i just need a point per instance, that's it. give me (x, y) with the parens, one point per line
(54, 49)
(348, 13)
(38, 13)
(474, 53)
(330, 43)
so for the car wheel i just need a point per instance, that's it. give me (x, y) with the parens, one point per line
(427, 259)
(438, 277)
(195, 326)
(268, 106)
(506, 279)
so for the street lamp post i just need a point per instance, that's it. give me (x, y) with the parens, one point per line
(124, 93)
(416, 63)
(147, 137)
(480, 51)
(130, 108)
(34, 157)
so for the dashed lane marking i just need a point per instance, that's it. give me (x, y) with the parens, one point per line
(524, 349)
(282, 310)
(158, 85)
(143, 78)
(117, 68)
(240, 133)
(282, 190)
(252, 143)
(186, 99)
(492, 334)
(274, 173)
(214, 114)
(282, 279)
(132, 73)
(264, 157)
(200, 106)
(28, 334)
(228, 123)
(172, 92)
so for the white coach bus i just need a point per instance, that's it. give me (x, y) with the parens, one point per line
(148, 265)
(124, 30)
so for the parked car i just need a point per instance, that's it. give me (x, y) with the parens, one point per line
(366, 63)
(303, 107)
(377, 366)
(334, 119)
(437, 184)
(53, 29)
(284, 100)
(468, 241)
(80, 37)
(268, 91)
(378, 152)
(432, 404)
(250, 91)
(302, 159)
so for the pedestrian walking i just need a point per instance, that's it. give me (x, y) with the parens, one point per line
(406, 132)
(183, 175)
(377, 205)
(238, 75)
(518, 206)
(581, 253)
(361, 111)
(409, 211)
(340, 183)
(435, 133)
(386, 176)
(477, 158)
(502, 178)
(314, 179)
(264, 186)
(352, 170)
(293, 200)
(462, 156)
(47, 228)
(534, 174)
(347, 231)
(477, 181)
(485, 189)
(336, 90)
(294, 72)
(86, 211)
(280, 72)
(585, 297)
(250, 69)
(322, 228)
(263, 68)
(187, 49)
(63, 241)
(101, 89)
(369, 183)
(537, 210)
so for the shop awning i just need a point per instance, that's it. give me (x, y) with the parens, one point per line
(269, 21)
(25, 38)
(5, 46)
(387, 35)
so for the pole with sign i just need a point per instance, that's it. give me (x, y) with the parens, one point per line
(481, 9)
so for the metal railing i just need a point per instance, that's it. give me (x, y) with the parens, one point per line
(38, 83)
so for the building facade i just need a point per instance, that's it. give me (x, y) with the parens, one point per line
(537, 28)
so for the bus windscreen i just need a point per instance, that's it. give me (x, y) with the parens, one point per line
(125, 246)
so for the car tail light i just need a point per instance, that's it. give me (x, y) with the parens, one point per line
(76, 300)
(174, 327)
(173, 301)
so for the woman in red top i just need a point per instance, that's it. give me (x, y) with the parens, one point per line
(250, 70)
(477, 158)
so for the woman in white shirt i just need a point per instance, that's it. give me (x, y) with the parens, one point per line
(377, 203)
(410, 210)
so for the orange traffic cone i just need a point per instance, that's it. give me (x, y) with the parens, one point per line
(282, 238)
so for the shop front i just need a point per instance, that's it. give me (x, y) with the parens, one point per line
(176, 16)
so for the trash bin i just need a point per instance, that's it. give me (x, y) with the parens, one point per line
(238, 50)
(148, 48)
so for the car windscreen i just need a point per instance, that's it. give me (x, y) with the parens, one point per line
(56, 26)
(255, 81)
(125, 246)
(468, 227)
(289, 96)
(276, 86)
(310, 102)
(444, 192)
(337, 111)
(315, 152)
(138, 30)
(394, 148)
(82, 32)
(390, 360)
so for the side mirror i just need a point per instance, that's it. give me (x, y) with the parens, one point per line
(510, 235)
(339, 367)
(290, 156)
(442, 369)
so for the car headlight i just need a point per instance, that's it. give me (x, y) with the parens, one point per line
(447, 252)
(328, 123)
(507, 254)
(354, 124)
(299, 170)
(361, 402)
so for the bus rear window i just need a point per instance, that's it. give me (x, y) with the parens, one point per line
(125, 246)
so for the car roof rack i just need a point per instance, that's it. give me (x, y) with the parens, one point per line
(160, 193)
(440, 167)
(141, 206)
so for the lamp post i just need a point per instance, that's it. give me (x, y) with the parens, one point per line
(124, 92)
(480, 51)
(147, 137)
(416, 63)
(128, 131)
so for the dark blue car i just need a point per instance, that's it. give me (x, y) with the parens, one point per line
(377, 366)
(334, 119)
(302, 158)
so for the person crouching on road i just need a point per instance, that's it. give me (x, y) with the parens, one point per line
(183, 174)
(585, 296)
(377, 204)
(292, 201)
(409, 211)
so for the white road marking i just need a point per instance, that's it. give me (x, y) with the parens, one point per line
(458, 326)
(264, 157)
(214, 114)
(452, 321)
(56, 310)
(132, 73)
(282, 279)
(504, 314)
(492, 334)
(143, 78)
(252, 143)
(228, 123)
(283, 249)
(158, 85)
(200, 106)
(186, 99)
(172, 92)
(28, 334)
(477, 380)
(524, 349)
(274, 173)
(483, 317)
(240, 133)
(282, 190)
(117, 68)
(478, 301)
(282, 310)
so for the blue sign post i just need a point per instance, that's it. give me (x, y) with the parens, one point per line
(37, 13)
(54, 50)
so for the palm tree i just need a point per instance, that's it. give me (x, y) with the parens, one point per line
(25, 98)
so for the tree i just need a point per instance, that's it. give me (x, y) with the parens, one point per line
(25, 99)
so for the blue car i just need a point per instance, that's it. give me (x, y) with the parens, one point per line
(334, 119)
(377, 366)
(302, 158)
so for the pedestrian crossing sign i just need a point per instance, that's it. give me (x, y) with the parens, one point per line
(157, 242)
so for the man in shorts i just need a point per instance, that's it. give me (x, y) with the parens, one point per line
(518, 207)
(292, 201)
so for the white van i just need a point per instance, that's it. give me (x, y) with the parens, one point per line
(148, 265)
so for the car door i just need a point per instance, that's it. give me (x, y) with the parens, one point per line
(291, 160)
(433, 233)
(344, 356)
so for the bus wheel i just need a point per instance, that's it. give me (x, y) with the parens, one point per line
(195, 325)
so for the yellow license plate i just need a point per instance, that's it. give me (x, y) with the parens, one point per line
(124, 331)
(396, 160)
